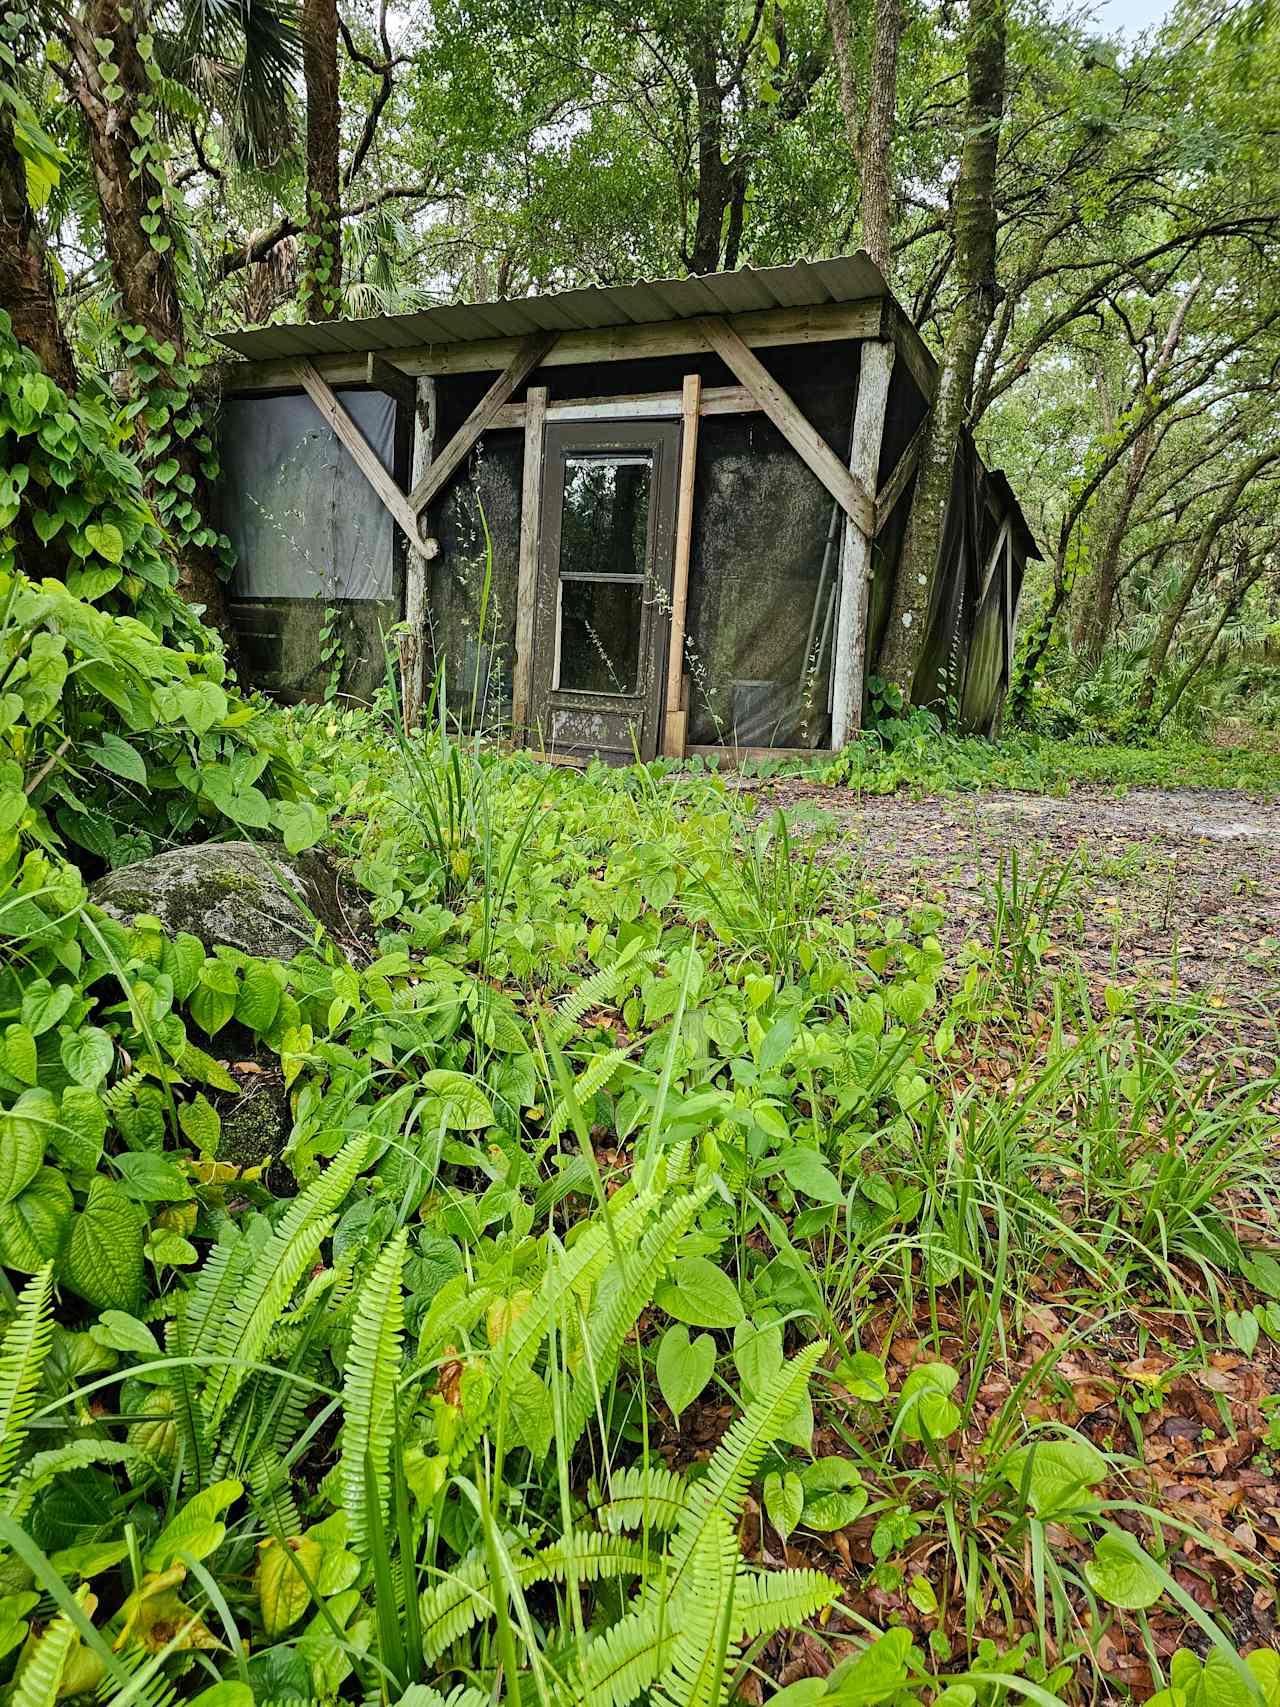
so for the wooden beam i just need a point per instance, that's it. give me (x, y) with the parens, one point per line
(527, 357)
(676, 718)
(413, 644)
(391, 381)
(916, 356)
(530, 540)
(847, 488)
(768, 328)
(849, 670)
(894, 486)
(364, 457)
(636, 405)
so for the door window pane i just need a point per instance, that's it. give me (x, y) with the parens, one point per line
(600, 624)
(604, 529)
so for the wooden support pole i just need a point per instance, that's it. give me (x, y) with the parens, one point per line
(364, 457)
(677, 713)
(848, 488)
(535, 418)
(855, 547)
(527, 357)
(413, 644)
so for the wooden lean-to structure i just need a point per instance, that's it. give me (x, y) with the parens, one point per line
(652, 518)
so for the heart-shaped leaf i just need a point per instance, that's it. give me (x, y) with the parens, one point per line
(684, 1366)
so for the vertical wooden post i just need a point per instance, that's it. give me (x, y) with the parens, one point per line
(413, 647)
(676, 720)
(855, 545)
(535, 420)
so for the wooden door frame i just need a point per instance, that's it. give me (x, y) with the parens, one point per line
(561, 439)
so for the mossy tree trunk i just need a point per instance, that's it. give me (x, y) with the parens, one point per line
(26, 278)
(974, 229)
(322, 238)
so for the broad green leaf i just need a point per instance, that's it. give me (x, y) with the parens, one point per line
(757, 1354)
(924, 1406)
(684, 1367)
(833, 1494)
(104, 1255)
(106, 539)
(33, 1227)
(283, 1594)
(115, 754)
(1123, 1575)
(87, 1055)
(783, 1501)
(258, 999)
(43, 1005)
(300, 823)
(197, 1529)
(148, 1178)
(19, 1053)
(697, 1292)
(1058, 1474)
(81, 1128)
(455, 1101)
(25, 1130)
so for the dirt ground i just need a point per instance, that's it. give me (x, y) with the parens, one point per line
(1167, 886)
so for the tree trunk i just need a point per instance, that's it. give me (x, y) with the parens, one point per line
(322, 284)
(1234, 601)
(26, 278)
(877, 136)
(140, 243)
(870, 133)
(1094, 623)
(1159, 653)
(974, 224)
(714, 177)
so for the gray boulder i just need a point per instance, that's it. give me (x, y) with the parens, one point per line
(254, 897)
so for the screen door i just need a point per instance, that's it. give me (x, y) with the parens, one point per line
(604, 586)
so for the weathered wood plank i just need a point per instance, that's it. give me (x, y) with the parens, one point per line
(413, 644)
(636, 405)
(363, 455)
(675, 722)
(849, 491)
(391, 381)
(767, 328)
(894, 486)
(855, 547)
(530, 539)
(527, 357)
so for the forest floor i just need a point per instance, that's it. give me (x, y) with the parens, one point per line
(1159, 887)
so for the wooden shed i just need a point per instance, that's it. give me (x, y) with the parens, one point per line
(651, 518)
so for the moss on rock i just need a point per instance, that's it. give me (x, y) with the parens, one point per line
(257, 898)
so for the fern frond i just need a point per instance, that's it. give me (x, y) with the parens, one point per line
(270, 1282)
(597, 1074)
(737, 1458)
(644, 1496)
(601, 988)
(633, 1290)
(22, 1354)
(695, 1674)
(768, 1601)
(183, 1383)
(204, 1308)
(579, 1268)
(368, 1391)
(623, 1660)
(115, 1096)
(453, 1605)
(422, 1695)
(271, 1492)
(39, 1470)
(37, 1682)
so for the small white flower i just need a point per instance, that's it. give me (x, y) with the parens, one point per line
(922, 580)
(906, 619)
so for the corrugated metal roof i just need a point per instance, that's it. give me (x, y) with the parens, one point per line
(843, 278)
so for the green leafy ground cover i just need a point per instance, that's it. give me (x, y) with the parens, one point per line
(657, 1296)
